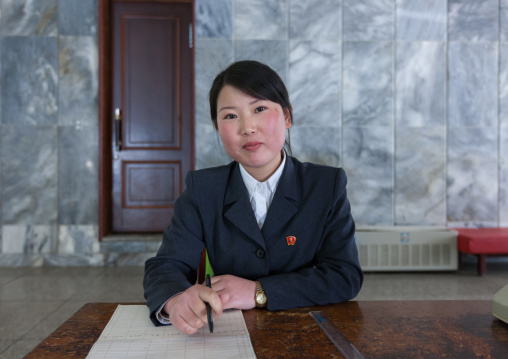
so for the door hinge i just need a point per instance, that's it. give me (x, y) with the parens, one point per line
(190, 36)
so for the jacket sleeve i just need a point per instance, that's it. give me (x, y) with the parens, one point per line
(174, 268)
(335, 275)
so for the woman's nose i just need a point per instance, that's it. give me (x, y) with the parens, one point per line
(248, 126)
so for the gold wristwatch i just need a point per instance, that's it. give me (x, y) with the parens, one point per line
(260, 296)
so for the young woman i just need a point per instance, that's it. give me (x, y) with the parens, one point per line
(279, 233)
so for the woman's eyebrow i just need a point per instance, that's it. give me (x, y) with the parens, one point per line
(234, 107)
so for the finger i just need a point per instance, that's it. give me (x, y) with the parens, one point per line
(212, 298)
(184, 326)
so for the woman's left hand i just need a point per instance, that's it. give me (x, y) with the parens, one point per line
(235, 292)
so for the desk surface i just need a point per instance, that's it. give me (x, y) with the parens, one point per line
(395, 329)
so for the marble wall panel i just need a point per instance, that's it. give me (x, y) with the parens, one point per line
(310, 22)
(29, 239)
(503, 84)
(29, 17)
(272, 53)
(368, 162)
(214, 18)
(78, 239)
(29, 174)
(316, 144)
(472, 20)
(472, 175)
(315, 82)
(503, 177)
(420, 186)
(421, 84)
(503, 20)
(368, 83)
(421, 20)
(369, 20)
(77, 175)
(473, 84)
(261, 20)
(77, 18)
(78, 84)
(212, 56)
(29, 80)
(209, 149)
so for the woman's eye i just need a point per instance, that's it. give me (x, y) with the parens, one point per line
(260, 108)
(229, 117)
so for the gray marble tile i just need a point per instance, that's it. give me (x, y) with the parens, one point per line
(78, 175)
(209, 149)
(29, 239)
(29, 80)
(76, 239)
(77, 18)
(78, 81)
(473, 84)
(29, 174)
(21, 260)
(29, 17)
(421, 20)
(315, 82)
(503, 20)
(316, 144)
(421, 84)
(310, 22)
(128, 259)
(261, 20)
(272, 53)
(368, 20)
(214, 18)
(74, 260)
(420, 186)
(472, 174)
(368, 83)
(503, 177)
(503, 84)
(212, 56)
(472, 20)
(368, 162)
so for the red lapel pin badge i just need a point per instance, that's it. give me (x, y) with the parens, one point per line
(291, 240)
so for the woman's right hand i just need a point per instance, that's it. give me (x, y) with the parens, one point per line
(187, 310)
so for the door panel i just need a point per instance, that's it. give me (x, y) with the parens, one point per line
(152, 88)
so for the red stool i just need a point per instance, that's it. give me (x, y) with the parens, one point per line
(482, 242)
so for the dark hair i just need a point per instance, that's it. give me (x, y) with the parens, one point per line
(254, 79)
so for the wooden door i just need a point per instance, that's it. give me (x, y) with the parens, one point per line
(152, 131)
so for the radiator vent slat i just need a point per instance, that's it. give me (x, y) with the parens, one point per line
(397, 250)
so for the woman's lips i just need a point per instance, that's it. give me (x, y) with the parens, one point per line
(252, 146)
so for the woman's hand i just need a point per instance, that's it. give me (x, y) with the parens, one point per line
(187, 310)
(235, 292)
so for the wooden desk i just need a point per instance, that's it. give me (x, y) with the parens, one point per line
(391, 329)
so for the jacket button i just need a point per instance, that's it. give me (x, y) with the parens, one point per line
(260, 253)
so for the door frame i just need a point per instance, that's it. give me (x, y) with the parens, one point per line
(105, 73)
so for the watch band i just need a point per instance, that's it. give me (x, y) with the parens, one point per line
(260, 296)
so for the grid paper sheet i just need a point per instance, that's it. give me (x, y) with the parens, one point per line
(130, 334)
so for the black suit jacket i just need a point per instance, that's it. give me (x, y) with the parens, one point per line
(310, 204)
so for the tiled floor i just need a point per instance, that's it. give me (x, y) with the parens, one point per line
(35, 301)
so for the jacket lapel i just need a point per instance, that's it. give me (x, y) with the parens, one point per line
(285, 202)
(237, 207)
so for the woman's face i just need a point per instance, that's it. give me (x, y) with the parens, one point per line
(252, 131)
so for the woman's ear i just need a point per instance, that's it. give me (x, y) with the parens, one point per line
(287, 118)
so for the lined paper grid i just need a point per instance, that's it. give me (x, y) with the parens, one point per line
(130, 334)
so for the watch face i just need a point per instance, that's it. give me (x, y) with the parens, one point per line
(261, 298)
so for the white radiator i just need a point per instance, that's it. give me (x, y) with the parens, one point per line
(403, 248)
